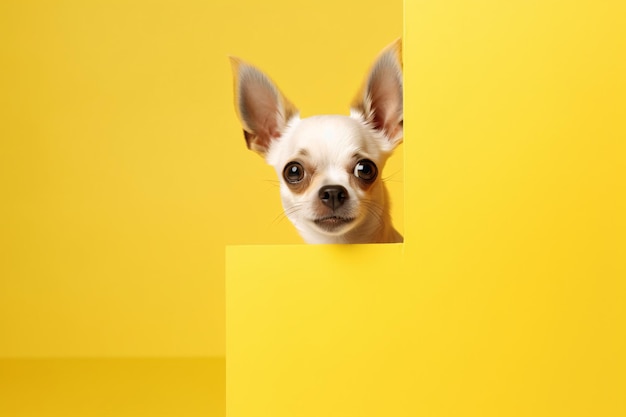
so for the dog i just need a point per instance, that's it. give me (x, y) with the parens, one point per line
(329, 166)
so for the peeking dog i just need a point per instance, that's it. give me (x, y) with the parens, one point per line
(329, 166)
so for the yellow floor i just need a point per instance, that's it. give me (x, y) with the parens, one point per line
(153, 387)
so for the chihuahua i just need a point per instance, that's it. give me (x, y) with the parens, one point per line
(329, 166)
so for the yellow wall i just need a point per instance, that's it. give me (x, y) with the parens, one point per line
(507, 297)
(123, 169)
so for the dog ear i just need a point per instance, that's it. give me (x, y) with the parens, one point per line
(380, 100)
(262, 109)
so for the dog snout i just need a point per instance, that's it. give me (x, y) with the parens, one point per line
(333, 196)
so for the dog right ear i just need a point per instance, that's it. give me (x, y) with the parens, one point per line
(380, 100)
(262, 109)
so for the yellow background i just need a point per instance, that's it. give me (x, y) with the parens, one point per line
(507, 297)
(123, 169)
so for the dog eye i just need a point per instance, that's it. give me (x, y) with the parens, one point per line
(293, 173)
(366, 170)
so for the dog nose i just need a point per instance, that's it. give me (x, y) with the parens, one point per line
(333, 196)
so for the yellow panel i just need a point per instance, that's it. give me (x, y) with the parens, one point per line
(507, 298)
(318, 331)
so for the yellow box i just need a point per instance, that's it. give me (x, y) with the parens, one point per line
(506, 298)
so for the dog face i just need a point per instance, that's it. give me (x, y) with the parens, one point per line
(329, 166)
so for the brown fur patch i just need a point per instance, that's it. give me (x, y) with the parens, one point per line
(302, 186)
(356, 182)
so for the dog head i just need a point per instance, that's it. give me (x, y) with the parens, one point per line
(329, 166)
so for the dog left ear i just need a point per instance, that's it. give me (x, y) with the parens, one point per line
(380, 100)
(262, 109)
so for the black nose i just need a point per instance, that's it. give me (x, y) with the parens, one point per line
(333, 196)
